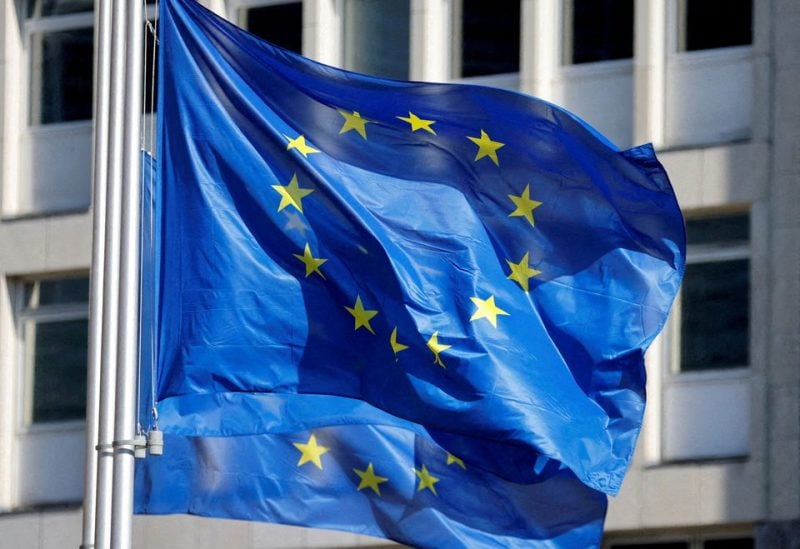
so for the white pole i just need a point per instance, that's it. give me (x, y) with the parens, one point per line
(100, 183)
(128, 351)
(108, 370)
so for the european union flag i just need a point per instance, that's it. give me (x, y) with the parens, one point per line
(409, 310)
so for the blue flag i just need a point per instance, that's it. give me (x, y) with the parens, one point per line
(416, 311)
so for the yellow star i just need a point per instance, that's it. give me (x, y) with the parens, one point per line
(524, 204)
(426, 480)
(361, 315)
(396, 345)
(292, 194)
(370, 480)
(436, 348)
(354, 122)
(310, 452)
(312, 263)
(451, 459)
(486, 147)
(300, 144)
(487, 309)
(418, 123)
(522, 271)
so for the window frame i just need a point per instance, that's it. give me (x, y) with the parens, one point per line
(671, 383)
(688, 70)
(25, 354)
(693, 540)
(681, 26)
(235, 9)
(509, 80)
(709, 253)
(566, 54)
(42, 25)
(676, 40)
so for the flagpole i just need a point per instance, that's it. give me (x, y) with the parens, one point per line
(128, 350)
(100, 184)
(111, 278)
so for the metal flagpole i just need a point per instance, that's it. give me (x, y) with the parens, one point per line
(110, 336)
(100, 183)
(128, 351)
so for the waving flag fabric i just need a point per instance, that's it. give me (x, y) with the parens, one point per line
(410, 310)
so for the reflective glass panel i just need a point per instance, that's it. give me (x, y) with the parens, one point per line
(57, 291)
(280, 24)
(61, 76)
(656, 545)
(46, 8)
(718, 229)
(376, 37)
(737, 543)
(59, 369)
(715, 315)
(601, 30)
(717, 23)
(490, 35)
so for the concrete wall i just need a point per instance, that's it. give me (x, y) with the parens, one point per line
(783, 377)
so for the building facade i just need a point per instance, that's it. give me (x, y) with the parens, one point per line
(712, 84)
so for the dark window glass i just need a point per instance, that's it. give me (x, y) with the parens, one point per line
(718, 23)
(660, 545)
(46, 8)
(490, 34)
(738, 543)
(59, 387)
(376, 37)
(280, 24)
(715, 296)
(57, 292)
(61, 76)
(715, 316)
(601, 30)
(721, 229)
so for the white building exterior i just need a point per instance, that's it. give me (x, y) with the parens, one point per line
(718, 462)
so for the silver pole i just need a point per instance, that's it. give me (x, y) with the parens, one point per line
(108, 371)
(128, 351)
(100, 181)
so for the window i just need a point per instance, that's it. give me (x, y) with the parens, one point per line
(709, 24)
(60, 45)
(715, 296)
(376, 37)
(707, 393)
(56, 104)
(733, 543)
(486, 38)
(279, 23)
(657, 545)
(53, 327)
(598, 30)
(60, 38)
(691, 542)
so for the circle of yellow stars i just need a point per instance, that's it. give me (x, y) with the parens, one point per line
(486, 309)
(522, 206)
